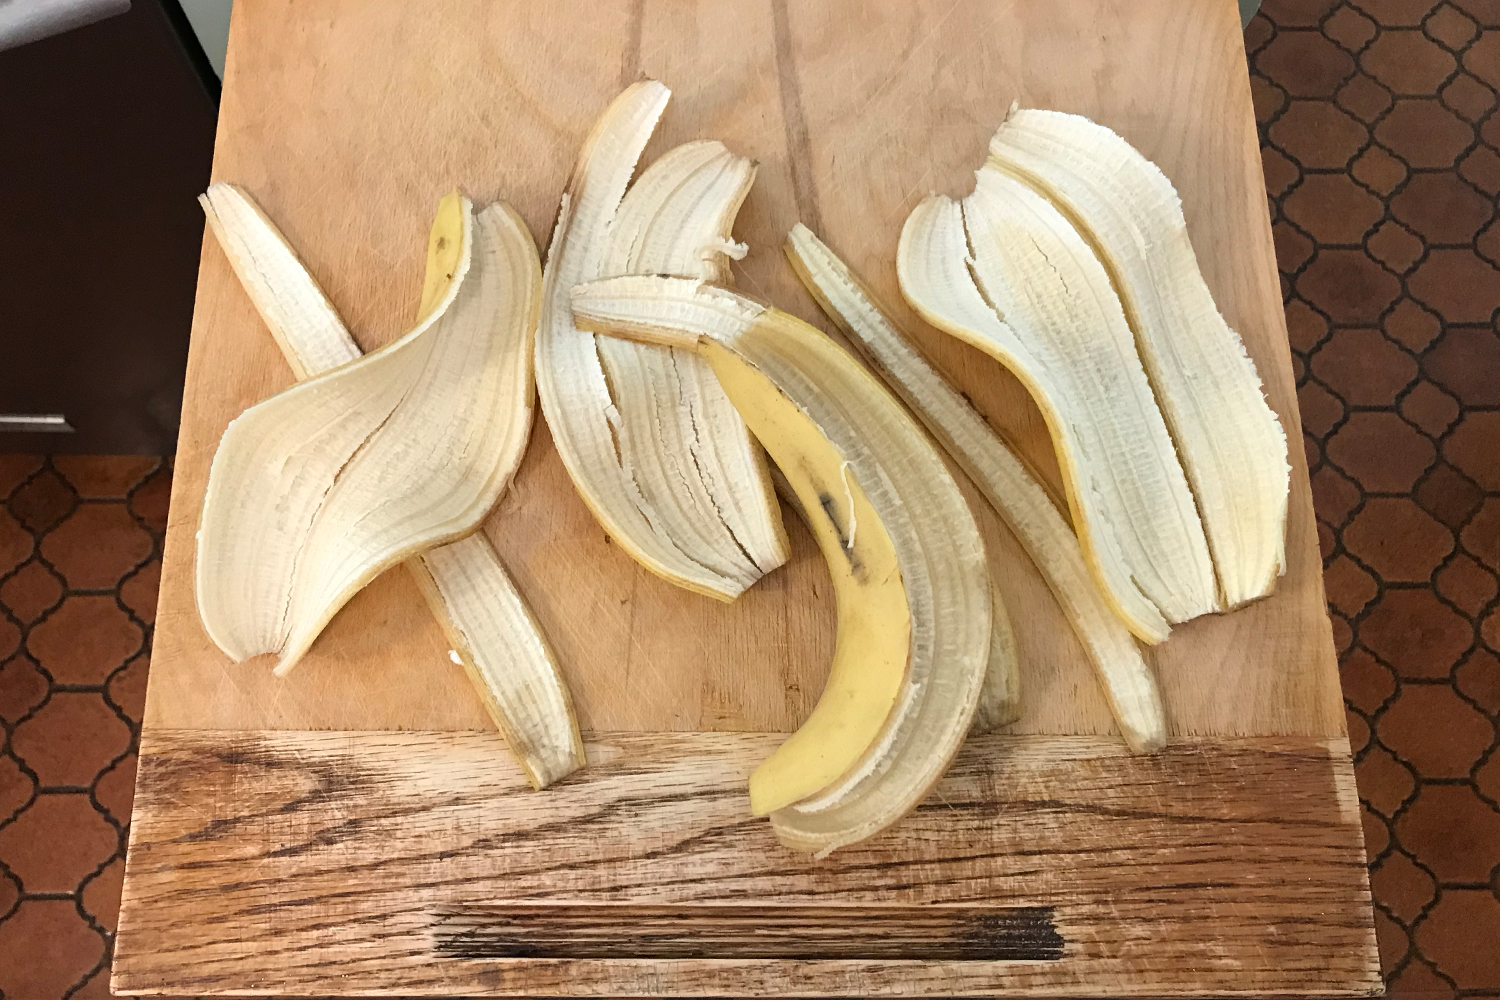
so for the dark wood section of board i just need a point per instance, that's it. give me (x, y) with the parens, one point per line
(322, 862)
(710, 930)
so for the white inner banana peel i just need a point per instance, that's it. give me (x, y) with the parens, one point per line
(1127, 680)
(859, 464)
(469, 591)
(651, 443)
(1231, 444)
(1008, 274)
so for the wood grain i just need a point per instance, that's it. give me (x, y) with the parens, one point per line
(313, 863)
(355, 828)
(349, 122)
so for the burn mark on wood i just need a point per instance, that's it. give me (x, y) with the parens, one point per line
(749, 931)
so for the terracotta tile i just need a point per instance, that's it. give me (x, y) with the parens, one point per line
(1415, 633)
(1304, 63)
(1483, 58)
(1407, 62)
(1489, 629)
(1419, 980)
(16, 788)
(60, 948)
(1423, 133)
(1474, 448)
(101, 894)
(1363, 367)
(1380, 451)
(1401, 886)
(1481, 536)
(1311, 450)
(1349, 286)
(1478, 677)
(138, 591)
(56, 841)
(85, 639)
(1442, 208)
(1391, 939)
(1343, 632)
(1394, 246)
(71, 739)
(43, 502)
(1280, 172)
(1258, 32)
(1350, 28)
(1358, 730)
(1266, 98)
(1458, 285)
(1383, 781)
(1467, 364)
(1320, 408)
(1462, 937)
(33, 590)
(14, 469)
(22, 687)
(1448, 496)
(1412, 324)
(1467, 584)
(1317, 134)
(1367, 682)
(1304, 326)
(1348, 586)
(1396, 13)
(1488, 243)
(1334, 496)
(104, 476)
(1481, 168)
(10, 894)
(1379, 169)
(1296, 13)
(149, 501)
(1376, 836)
(1435, 731)
(1364, 98)
(1468, 97)
(1398, 540)
(1299, 367)
(96, 987)
(1292, 248)
(1430, 408)
(10, 638)
(1454, 832)
(115, 789)
(97, 545)
(1487, 778)
(1486, 12)
(1451, 26)
(128, 687)
(15, 542)
(1325, 540)
(1332, 208)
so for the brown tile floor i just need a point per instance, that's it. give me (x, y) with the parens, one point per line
(1382, 160)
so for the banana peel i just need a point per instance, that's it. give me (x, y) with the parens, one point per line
(860, 466)
(474, 599)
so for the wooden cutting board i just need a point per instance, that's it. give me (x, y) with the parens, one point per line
(357, 827)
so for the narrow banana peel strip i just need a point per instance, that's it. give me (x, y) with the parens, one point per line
(1231, 444)
(469, 591)
(812, 403)
(654, 449)
(1127, 680)
(1000, 698)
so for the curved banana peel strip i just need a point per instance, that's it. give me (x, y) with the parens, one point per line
(655, 450)
(1024, 505)
(933, 264)
(842, 441)
(1232, 447)
(467, 588)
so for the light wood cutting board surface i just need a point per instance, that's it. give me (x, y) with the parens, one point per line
(287, 839)
(875, 107)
